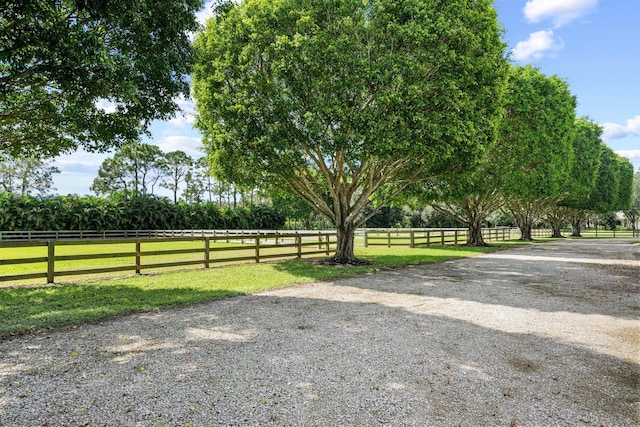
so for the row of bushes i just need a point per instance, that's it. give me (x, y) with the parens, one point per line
(125, 212)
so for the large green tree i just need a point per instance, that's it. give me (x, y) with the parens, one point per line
(90, 73)
(351, 99)
(633, 212)
(526, 165)
(536, 136)
(586, 148)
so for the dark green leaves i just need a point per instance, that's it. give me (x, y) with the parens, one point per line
(90, 74)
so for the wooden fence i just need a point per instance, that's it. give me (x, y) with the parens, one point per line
(589, 232)
(416, 237)
(236, 247)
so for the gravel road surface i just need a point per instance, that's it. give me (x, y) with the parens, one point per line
(542, 335)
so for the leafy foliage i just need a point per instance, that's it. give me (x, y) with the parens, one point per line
(352, 99)
(134, 167)
(26, 176)
(176, 164)
(633, 213)
(90, 73)
(126, 212)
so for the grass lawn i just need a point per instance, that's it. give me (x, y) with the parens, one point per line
(219, 251)
(25, 309)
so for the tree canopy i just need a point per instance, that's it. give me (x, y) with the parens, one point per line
(90, 73)
(633, 212)
(349, 99)
(536, 137)
(26, 176)
(587, 146)
(134, 168)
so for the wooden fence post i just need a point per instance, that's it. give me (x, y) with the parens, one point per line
(455, 237)
(388, 238)
(258, 248)
(366, 238)
(328, 251)
(51, 259)
(299, 244)
(138, 257)
(442, 236)
(413, 238)
(206, 252)
(428, 238)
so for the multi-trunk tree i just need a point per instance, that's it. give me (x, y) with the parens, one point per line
(633, 212)
(353, 100)
(90, 73)
(575, 193)
(536, 136)
(612, 190)
(526, 164)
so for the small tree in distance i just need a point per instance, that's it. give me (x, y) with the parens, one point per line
(176, 165)
(26, 176)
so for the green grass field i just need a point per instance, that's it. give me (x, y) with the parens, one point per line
(219, 252)
(25, 309)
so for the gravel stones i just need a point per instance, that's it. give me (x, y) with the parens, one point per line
(542, 335)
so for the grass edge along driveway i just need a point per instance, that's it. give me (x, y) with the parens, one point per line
(30, 309)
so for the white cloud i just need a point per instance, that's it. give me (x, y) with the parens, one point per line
(187, 116)
(190, 145)
(560, 12)
(536, 45)
(205, 13)
(182, 120)
(616, 131)
(629, 154)
(106, 105)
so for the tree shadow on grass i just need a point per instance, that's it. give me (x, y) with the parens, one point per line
(24, 310)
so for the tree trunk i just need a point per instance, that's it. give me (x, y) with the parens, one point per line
(576, 219)
(525, 230)
(474, 233)
(576, 229)
(556, 230)
(345, 245)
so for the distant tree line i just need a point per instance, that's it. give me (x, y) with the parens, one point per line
(142, 168)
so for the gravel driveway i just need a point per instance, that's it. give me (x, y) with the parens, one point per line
(542, 335)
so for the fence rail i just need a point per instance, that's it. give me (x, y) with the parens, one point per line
(416, 237)
(137, 253)
(589, 232)
(214, 249)
(150, 234)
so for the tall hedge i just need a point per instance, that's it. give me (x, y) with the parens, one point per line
(123, 212)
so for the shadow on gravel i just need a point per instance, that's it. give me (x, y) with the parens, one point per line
(566, 276)
(274, 360)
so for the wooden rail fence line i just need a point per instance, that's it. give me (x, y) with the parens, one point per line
(259, 245)
(417, 237)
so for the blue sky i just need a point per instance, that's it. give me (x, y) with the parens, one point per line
(592, 44)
